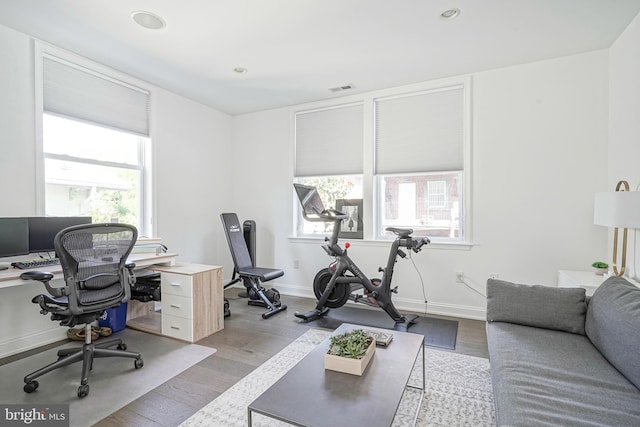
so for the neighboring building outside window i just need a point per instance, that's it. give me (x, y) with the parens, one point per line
(427, 203)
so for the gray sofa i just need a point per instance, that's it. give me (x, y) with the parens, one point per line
(560, 359)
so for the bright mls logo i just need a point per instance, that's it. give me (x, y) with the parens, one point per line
(44, 415)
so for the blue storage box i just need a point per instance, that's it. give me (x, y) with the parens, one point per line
(116, 318)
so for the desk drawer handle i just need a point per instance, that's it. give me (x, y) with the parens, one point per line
(177, 285)
(175, 327)
(174, 306)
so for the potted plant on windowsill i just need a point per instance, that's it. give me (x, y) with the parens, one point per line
(600, 267)
(350, 352)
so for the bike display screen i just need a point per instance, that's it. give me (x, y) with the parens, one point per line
(309, 199)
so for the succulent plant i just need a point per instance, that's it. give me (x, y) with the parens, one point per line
(352, 344)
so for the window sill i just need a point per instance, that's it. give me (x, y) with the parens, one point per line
(460, 246)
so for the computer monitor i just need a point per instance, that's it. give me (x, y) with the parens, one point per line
(14, 237)
(309, 199)
(43, 229)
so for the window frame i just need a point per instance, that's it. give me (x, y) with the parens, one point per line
(146, 206)
(371, 204)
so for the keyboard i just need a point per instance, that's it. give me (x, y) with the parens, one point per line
(35, 263)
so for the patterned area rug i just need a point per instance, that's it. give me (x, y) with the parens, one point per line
(458, 390)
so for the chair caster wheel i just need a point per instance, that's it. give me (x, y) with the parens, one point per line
(138, 363)
(122, 346)
(31, 386)
(83, 390)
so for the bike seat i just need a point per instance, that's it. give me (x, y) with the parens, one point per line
(401, 232)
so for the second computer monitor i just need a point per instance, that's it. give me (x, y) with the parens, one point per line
(42, 230)
(14, 237)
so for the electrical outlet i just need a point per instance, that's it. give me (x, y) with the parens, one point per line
(459, 276)
(493, 275)
(296, 264)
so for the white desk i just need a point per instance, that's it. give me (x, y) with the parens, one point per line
(23, 328)
(192, 303)
(11, 277)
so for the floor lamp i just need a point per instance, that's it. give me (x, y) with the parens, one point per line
(619, 209)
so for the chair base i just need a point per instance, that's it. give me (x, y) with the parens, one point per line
(87, 353)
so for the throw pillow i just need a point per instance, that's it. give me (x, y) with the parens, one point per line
(613, 325)
(539, 306)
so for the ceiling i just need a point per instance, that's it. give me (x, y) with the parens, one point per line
(296, 50)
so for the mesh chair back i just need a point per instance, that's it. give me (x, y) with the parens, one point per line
(93, 258)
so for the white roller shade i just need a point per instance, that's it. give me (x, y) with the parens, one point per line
(329, 142)
(74, 91)
(421, 132)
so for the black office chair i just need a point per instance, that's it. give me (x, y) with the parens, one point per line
(250, 275)
(93, 259)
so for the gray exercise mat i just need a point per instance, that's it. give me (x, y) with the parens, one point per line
(441, 333)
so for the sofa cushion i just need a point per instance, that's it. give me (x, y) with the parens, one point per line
(542, 377)
(562, 309)
(613, 325)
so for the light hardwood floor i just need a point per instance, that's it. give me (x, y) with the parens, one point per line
(246, 342)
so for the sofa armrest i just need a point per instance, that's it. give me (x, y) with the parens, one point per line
(538, 306)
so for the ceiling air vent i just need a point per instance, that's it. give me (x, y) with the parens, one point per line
(341, 88)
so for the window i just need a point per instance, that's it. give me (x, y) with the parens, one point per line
(95, 142)
(92, 171)
(330, 189)
(436, 194)
(428, 203)
(419, 146)
(329, 156)
(414, 152)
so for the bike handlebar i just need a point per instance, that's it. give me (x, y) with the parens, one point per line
(327, 215)
(415, 244)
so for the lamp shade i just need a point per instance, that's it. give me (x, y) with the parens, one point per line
(619, 209)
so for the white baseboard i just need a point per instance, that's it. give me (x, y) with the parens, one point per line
(443, 309)
(28, 342)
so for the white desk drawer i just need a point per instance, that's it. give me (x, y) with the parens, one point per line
(176, 284)
(177, 327)
(175, 305)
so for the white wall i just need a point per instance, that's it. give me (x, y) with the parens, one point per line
(192, 166)
(624, 124)
(191, 160)
(17, 133)
(539, 132)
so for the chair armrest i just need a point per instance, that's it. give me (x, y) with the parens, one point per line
(40, 276)
(45, 277)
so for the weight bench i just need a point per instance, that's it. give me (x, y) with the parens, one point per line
(251, 276)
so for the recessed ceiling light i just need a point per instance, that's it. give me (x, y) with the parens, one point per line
(240, 70)
(450, 14)
(148, 20)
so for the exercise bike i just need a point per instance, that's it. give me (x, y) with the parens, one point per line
(337, 284)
